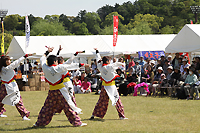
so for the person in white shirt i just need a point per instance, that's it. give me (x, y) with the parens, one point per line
(9, 92)
(108, 89)
(56, 96)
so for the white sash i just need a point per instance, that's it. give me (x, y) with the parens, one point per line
(112, 93)
(67, 97)
(13, 94)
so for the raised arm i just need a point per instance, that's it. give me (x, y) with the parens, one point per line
(70, 60)
(98, 57)
(17, 62)
(43, 58)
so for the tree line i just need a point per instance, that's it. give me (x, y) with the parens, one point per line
(135, 18)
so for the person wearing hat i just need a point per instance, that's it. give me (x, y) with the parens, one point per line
(176, 76)
(153, 64)
(119, 80)
(185, 65)
(188, 85)
(175, 62)
(147, 63)
(169, 72)
(157, 77)
(169, 58)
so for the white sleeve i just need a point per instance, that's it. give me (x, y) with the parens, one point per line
(116, 65)
(98, 57)
(70, 60)
(64, 67)
(15, 63)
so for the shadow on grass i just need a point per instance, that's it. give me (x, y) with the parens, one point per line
(32, 128)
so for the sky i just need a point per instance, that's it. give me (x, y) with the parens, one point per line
(40, 8)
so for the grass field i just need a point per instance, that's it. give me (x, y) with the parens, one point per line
(146, 114)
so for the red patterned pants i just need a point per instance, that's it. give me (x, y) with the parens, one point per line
(20, 106)
(55, 100)
(102, 105)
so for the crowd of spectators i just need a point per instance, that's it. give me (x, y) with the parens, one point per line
(159, 74)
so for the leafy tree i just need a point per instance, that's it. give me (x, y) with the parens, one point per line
(92, 20)
(167, 30)
(52, 18)
(66, 22)
(140, 29)
(153, 21)
(79, 28)
(104, 11)
(7, 40)
(109, 19)
(45, 28)
(11, 22)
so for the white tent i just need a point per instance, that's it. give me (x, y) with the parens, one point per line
(187, 40)
(126, 44)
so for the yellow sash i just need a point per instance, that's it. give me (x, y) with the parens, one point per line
(57, 87)
(67, 79)
(6, 83)
(108, 84)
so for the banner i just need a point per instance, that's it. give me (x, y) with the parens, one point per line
(2, 42)
(27, 30)
(115, 30)
(151, 54)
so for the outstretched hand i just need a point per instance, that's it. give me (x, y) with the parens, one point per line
(50, 49)
(95, 48)
(60, 48)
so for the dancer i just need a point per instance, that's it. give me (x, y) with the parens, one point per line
(53, 75)
(108, 89)
(69, 90)
(9, 92)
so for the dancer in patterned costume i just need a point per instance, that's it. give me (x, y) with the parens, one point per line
(53, 75)
(9, 92)
(108, 89)
(69, 91)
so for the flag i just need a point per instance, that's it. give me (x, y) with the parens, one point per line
(27, 30)
(115, 30)
(2, 42)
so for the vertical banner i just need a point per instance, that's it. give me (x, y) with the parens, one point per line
(115, 30)
(27, 30)
(2, 42)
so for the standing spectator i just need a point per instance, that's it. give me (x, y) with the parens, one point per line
(83, 75)
(175, 62)
(26, 68)
(137, 68)
(94, 66)
(153, 66)
(114, 60)
(197, 63)
(141, 63)
(162, 60)
(86, 86)
(131, 63)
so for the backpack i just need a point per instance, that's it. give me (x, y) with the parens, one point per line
(181, 94)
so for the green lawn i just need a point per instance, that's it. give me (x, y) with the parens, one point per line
(146, 114)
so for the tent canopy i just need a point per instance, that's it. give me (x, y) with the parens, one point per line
(187, 40)
(126, 44)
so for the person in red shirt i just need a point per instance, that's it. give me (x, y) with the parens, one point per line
(131, 63)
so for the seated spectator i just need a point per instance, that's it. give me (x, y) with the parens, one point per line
(86, 86)
(122, 67)
(189, 84)
(169, 74)
(137, 68)
(77, 85)
(150, 73)
(169, 58)
(176, 76)
(165, 66)
(147, 63)
(163, 83)
(184, 65)
(131, 77)
(157, 77)
(184, 73)
(145, 76)
(119, 80)
(153, 64)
